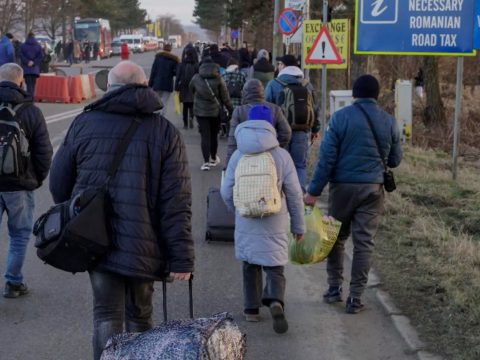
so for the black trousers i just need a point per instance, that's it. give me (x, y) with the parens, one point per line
(209, 127)
(274, 289)
(187, 114)
(30, 81)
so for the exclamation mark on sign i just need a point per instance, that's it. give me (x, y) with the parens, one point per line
(323, 49)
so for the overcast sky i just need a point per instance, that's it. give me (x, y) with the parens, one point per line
(182, 9)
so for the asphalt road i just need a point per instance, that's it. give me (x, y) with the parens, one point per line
(54, 321)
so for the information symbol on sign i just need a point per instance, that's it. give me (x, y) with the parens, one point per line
(288, 22)
(323, 50)
(378, 11)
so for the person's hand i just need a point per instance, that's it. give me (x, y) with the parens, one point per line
(180, 276)
(309, 200)
(30, 63)
(298, 238)
(328, 218)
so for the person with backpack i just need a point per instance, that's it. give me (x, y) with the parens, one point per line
(360, 142)
(24, 162)
(297, 98)
(210, 98)
(234, 80)
(262, 186)
(253, 95)
(185, 72)
(151, 196)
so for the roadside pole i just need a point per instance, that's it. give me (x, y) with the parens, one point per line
(324, 76)
(276, 13)
(458, 106)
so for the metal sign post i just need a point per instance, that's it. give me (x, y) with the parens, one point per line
(323, 115)
(458, 108)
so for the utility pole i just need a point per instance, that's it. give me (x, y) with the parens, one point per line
(324, 75)
(277, 37)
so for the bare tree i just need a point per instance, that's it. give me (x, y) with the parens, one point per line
(9, 10)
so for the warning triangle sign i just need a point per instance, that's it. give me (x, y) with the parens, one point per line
(323, 50)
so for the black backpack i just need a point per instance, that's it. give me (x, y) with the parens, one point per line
(14, 145)
(298, 105)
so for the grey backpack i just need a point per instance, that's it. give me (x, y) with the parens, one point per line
(14, 145)
(298, 105)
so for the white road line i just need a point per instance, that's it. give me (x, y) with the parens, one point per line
(63, 116)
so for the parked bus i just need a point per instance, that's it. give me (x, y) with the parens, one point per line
(93, 31)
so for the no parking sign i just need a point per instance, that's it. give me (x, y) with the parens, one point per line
(287, 21)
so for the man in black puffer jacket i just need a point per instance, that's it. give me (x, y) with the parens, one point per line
(16, 192)
(151, 198)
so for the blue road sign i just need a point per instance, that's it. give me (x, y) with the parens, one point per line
(288, 21)
(234, 34)
(476, 25)
(414, 27)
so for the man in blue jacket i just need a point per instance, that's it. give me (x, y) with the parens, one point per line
(289, 74)
(352, 163)
(7, 52)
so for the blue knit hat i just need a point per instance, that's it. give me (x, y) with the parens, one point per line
(260, 112)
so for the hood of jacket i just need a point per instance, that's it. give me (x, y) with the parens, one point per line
(231, 68)
(131, 99)
(255, 136)
(290, 74)
(31, 41)
(11, 93)
(253, 92)
(209, 71)
(168, 55)
(263, 65)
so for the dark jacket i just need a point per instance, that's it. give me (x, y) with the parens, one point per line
(33, 124)
(31, 50)
(7, 52)
(204, 103)
(163, 70)
(349, 154)
(263, 71)
(185, 72)
(253, 94)
(245, 58)
(151, 193)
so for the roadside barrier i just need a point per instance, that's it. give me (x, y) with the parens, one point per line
(52, 89)
(75, 87)
(92, 85)
(87, 92)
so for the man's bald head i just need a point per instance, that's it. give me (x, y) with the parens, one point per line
(126, 72)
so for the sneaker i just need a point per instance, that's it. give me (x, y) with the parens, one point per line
(354, 305)
(215, 162)
(280, 324)
(252, 315)
(205, 167)
(13, 291)
(333, 295)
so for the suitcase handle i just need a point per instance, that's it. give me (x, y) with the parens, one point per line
(190, 296)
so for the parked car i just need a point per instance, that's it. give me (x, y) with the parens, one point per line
(115, 48)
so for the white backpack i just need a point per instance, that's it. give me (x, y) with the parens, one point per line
(256, 193)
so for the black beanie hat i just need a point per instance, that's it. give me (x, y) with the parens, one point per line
(366, 86)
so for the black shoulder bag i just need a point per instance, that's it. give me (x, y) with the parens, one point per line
(74, 235)
(388, 178)
(223, 113)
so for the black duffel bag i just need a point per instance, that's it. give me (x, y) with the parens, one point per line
(74, 235)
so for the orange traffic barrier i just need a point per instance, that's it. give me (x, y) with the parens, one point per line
(75, 87)
(52, 89)
(92, 85)
(87, 94)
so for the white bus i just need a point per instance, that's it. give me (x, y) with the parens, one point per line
(134, 42)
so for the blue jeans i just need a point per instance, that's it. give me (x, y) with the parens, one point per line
(19, 206)
(117, 300)
(298, 149)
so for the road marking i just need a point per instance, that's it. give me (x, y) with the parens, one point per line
(63, 116)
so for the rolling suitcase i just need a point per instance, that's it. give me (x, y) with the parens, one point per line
(220, 221)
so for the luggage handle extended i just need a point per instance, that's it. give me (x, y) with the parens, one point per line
(190, 296)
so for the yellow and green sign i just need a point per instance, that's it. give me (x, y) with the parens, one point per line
(339, 30)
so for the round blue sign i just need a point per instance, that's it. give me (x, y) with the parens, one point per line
(287, 21)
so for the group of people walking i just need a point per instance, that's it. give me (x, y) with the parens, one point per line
(151, 192)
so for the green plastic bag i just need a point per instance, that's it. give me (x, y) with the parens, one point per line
(318, 241)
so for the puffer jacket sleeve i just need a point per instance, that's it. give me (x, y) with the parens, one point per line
(326, 160)
(174, 204)
(232, 142)
(63, 173)
(284, 131)
(40, 145)
(294, 196)
(395, 155)
(226, 189)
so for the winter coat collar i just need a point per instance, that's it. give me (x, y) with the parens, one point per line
(232, 68)
(131, 99)
(11, 93)
(168, 55)
(292, 70)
